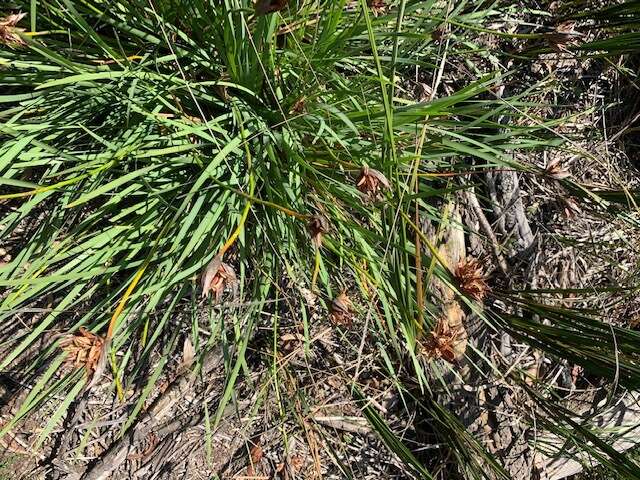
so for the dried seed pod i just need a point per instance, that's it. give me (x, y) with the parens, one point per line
(318, 225)
(341, 310)
(84, 349)
(556, 171)
(470, 278)
(9, 32)
(371, 181)
(216, 277)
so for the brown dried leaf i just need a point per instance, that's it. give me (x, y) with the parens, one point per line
(263, 7)
(256, 453)
(255, 457)
(216, 277)
(318, 225)
(9, 32)
(470, 278)
(297, 462)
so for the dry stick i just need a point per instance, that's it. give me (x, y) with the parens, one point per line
(152, 419)
(484, 223)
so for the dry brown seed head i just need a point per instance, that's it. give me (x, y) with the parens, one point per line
(470, 278)
(445, 342)
(372, 181)
(84, 349)
(9, 32)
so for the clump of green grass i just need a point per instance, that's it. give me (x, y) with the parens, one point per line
(142, 140)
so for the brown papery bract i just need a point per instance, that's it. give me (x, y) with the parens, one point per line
(371, 182)
(216, 277)
(471, 279)
(84, 349)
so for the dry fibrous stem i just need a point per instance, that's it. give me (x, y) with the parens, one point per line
(486, 226)
(216, 277)
(470, 278)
